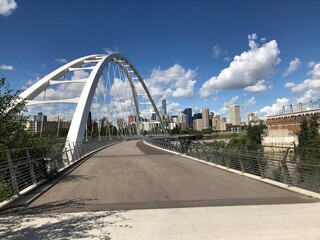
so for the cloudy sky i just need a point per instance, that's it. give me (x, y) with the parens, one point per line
(260, 55)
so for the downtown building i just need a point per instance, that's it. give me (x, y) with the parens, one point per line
(235, 118)
(188, 112)
(205, 118)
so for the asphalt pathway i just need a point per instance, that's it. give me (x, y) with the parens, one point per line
(132, 175)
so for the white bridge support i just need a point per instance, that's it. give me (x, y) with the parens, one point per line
(79, 120)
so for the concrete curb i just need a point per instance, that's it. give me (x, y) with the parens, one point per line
(269, 181)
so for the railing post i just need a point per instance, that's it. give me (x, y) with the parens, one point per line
(226, 160)
(71, 152)
(240, 159)
(78, 146)
(205, 153)
(12, 174)
(259, 164)
(285, 167)
(66, 156)
(31, 167)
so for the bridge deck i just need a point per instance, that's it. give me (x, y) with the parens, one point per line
(132, 175)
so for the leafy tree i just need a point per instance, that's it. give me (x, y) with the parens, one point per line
(207, 131)
(309, 135)
(13, 133)
(254, 135)
(12, 122)
(238, 140)
(309, 142)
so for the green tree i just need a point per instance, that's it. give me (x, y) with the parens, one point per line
(254, 135)
(13, 133)
(309, 139)
(308, 135)
(12, 122)
(309, 143)
(303, 134)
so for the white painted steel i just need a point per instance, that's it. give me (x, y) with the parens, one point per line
(78, 124)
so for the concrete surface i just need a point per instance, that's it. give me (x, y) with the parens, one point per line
(133, 191)
(132, 175)
(263, 222)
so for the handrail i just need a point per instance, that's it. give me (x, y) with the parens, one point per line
(23, 168)
(293, 166)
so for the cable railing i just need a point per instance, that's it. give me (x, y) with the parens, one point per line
(21, 169)
(290, 165)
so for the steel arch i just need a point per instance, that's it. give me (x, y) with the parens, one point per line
(78, 124)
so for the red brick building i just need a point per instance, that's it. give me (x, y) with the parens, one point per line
(290, 120)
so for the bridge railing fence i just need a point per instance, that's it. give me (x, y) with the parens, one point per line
(21, 169)
(289, 165)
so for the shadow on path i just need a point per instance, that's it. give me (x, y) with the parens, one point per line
(61, 226)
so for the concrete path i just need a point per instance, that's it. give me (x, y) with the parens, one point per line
(133, 191)
(132, 175)
(263, 222)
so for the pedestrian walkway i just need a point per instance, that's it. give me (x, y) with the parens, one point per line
(286, 221)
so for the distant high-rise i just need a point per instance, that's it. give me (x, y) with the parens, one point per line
(251, 117)
(188, 112)
(40, 117)
(197, 116)
(182, 118)
(197, 125)
(153, 116)
(216, 123)
(205, 118)
(235, 115)
(164, 106)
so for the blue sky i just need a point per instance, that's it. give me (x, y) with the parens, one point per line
(257, 54)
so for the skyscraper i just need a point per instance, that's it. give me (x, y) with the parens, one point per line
(251, 117)
(235, 115)
(164, 106)
(205, 118)
(188, 112)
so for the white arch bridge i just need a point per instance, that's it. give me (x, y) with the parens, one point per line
(106, 87)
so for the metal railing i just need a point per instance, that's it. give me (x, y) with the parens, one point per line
(290, 165)
(25, 167)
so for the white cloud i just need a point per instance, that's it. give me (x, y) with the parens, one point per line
(217, 51)
(315, 72)
(7, 7)
(225, 109)
(250, 102)
(6, 67)
(289, 85)
(32, 81)
(111, 50)
(173, 108)
(259, 87)
(61, 61)
(227, 59)
(173, 82)
(245, 70)
(275, 108)
(246, 106)
(293, 66)
(309, 88)
(311, 64)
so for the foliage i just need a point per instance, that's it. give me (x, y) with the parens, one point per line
(207, 131)
(308, 148)
(13, 122)
(254, 137)
(309, 135)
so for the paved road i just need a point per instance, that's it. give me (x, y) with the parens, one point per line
(132, 175)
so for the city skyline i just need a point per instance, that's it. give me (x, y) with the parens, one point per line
(252, 56)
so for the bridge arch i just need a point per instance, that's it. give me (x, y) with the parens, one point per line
(99, 62)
